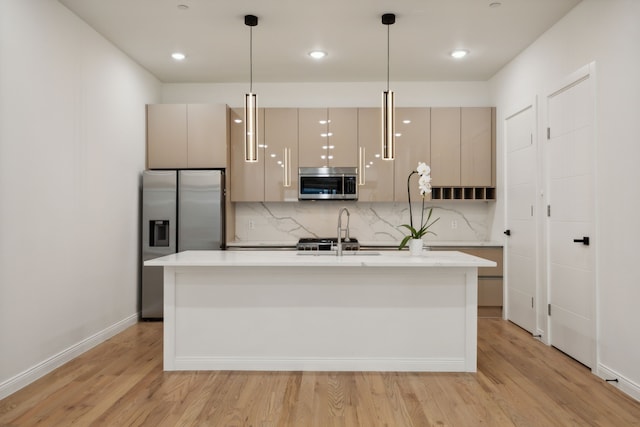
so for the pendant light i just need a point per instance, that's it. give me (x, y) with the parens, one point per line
(250, 102)
(388, 104)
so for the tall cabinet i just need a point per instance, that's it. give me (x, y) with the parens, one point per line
(476, 149)
(247, 178)
(281, 154)
(374, 174)
(413, 145)
(445, 146)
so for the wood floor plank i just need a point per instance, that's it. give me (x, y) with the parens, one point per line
(520, 382)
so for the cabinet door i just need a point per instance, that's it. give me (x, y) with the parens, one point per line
(166, 136)
(280, 133)
(343, 137)
(313, 137)
(207, 136)
(247, 178)
(445, 147)
(374, 174)
(490, 292)
(476, 156)
(413, 145)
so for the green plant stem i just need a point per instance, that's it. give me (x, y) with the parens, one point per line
(409, 198)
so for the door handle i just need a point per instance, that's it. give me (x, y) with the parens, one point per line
(507, 232)
(584, 240)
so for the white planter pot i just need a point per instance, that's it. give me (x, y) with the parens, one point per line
(415, 246)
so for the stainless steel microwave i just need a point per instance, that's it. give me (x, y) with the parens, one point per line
(328, 183)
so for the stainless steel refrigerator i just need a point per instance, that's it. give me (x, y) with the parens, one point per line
(181, 210)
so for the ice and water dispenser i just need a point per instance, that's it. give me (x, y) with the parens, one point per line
(159, 233)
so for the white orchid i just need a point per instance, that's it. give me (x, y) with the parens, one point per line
(423, 169)
(424, 184)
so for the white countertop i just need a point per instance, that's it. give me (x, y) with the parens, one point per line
(293, 259)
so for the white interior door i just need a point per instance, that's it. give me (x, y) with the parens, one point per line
(521, 243)
(570, 220)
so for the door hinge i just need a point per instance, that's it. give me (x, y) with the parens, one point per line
(549, 309)
(548, 210)
(531, 210)
(531, 302)
(548, 133)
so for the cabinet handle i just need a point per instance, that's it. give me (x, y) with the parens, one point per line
(361, 158)
(286, 170)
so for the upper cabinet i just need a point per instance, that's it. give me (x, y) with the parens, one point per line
(413, 145)
(445, 147)
(463, 153)
(246, 182)
(328, 137)
(457, 143)
(281, 154)
(375, 175)
(477, 148)
(186, 136)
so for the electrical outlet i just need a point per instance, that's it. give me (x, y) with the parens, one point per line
(454, 224)
(252, 225)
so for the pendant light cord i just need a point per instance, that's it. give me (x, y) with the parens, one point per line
(388, 55)
(250, 59)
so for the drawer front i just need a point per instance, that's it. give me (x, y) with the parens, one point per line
(489, 292)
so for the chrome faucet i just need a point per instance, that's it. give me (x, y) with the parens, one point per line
(340, 230)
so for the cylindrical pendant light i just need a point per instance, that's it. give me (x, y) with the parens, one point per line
(251, 102)
(388, 104)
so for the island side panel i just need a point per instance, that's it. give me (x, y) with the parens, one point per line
(319, 318)
(471, 354)
(169, 330)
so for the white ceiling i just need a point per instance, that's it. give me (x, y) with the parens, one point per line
(213, 36)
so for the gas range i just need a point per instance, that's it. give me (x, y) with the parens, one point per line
(326, 244)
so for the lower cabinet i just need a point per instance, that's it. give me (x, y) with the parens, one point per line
(490, 290)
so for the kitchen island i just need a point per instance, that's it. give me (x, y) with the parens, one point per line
(282, 310)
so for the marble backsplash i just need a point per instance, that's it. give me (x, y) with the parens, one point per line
(368, 222)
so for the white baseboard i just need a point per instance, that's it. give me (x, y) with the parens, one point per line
(319, 364)
(624, 384)
(28, 376)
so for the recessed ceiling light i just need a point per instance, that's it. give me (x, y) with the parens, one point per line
(459, 53)
(238, 121)
(178, 56)
(406, 122)
(317, 54)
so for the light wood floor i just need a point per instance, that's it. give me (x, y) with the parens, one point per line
(520, 382)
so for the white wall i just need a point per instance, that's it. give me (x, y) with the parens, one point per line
(352, 94)
(606, 32)
(72, 144)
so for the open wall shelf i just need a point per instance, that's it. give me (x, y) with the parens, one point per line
(463, 193)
